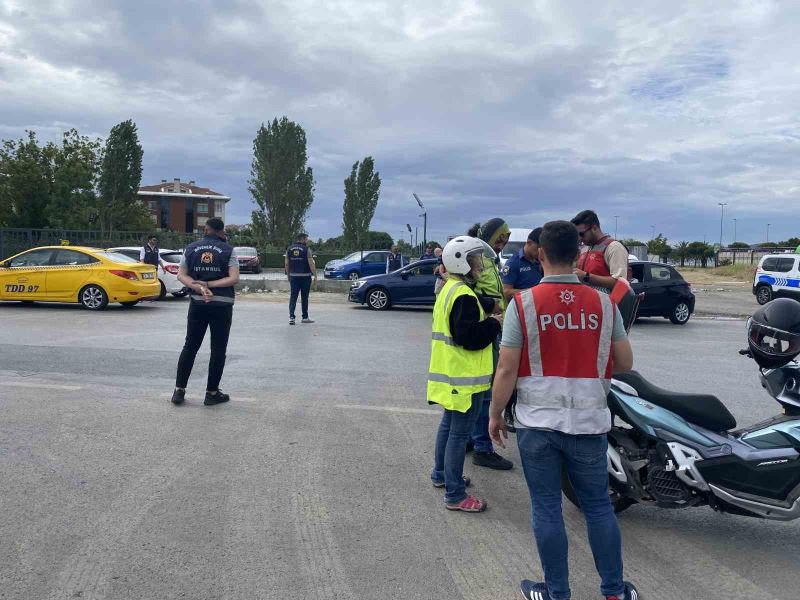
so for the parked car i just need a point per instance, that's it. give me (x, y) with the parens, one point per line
(411, 285)
(73, 274)
(248, 259)
(777, 276)
(167, 269)
(666, 293)
(359, 264)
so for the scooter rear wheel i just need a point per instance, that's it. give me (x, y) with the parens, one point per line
(619, 502)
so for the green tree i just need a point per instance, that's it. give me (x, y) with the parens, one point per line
(73, 200)
(659, 247)
(361, 193)
(377, 240)
(701, 251)
(26, 181)
(629, 242)
(118, 206)
(281, 184)
(739, 245)
(681, 252)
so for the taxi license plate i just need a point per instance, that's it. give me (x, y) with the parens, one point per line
(147, 275)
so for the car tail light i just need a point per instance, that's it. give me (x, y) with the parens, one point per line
(173, 269)
(125, 274)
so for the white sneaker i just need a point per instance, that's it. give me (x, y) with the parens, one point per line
(307, 320)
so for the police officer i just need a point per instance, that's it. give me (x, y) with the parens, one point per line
(603, 259)
(209, 271)
(561, 343)
(394, 260)
(149, 254)
(523, 270)
(301, 270)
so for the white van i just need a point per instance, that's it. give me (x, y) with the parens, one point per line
(777, 275)
(515, 243)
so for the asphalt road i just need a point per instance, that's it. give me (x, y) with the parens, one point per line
(313, 481)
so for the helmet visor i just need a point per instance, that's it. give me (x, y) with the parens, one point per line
(773, 342)
(485, 251)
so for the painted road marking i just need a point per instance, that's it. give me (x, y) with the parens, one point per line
(390, 409)
(44, 386)
(201, 398)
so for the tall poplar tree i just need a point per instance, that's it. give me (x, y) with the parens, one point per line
(120, 177)
(361, 193)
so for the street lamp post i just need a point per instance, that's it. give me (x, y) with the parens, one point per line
(653, 227)
(722, 205)
(424, 215)
(734, 231)
(768, 224)
(616, 223)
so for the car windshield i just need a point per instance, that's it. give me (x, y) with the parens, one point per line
(172, 257)
(116, 257)
(352, 257)
(511, 249)
(244, 251)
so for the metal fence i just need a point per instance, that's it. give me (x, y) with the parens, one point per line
(746, 256)
(14, 241)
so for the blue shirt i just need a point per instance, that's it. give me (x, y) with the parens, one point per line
(520, 273)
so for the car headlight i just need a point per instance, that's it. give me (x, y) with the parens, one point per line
(357, 284)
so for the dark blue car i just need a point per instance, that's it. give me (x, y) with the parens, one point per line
(359, 264)
(412, 285)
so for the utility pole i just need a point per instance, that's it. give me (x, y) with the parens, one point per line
(768, 224)
(616, 223)
(416, 235)
(653, 227)
(722, 205)
(424, 215)
(734, 231)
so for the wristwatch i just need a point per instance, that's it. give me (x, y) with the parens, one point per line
(586, 278)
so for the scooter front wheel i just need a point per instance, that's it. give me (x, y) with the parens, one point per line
(619, 502)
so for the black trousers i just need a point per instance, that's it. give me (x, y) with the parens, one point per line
(201, 317)
(302, 286)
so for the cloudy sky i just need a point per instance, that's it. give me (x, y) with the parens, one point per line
(529, 110)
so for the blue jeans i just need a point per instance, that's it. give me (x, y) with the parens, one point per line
(543, 454)
(480, 435)
(451, 448)
(302, 286)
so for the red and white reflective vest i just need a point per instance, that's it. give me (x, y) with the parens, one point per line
(565, 370)
(593, 259)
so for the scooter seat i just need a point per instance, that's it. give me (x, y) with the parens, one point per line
(704, 410)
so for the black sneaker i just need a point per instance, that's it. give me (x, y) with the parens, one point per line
(291, 320)
(631, 593)
(218, 398)
(491, 460)
(533, 590)
(178, 396)
(470, 446)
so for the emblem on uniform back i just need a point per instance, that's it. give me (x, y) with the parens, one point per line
(207, 258)
(295, 252)
(567, 297)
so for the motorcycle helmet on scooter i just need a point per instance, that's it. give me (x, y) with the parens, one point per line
(459, 249)
(773, 333)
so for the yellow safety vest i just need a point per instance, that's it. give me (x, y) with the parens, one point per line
(455, 373)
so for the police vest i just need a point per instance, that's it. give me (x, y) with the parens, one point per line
(565, 368)
(298, 260)
(208, 260)
(151, 256)
(455, 373)
(593, 260)
(394, 262)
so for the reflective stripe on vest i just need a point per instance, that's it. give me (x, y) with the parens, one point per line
(565, 369)
(455, 373)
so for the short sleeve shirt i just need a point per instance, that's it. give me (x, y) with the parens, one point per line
(512, 327)
(520, 273)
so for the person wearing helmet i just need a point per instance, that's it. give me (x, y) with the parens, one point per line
(461, 365)
(495, 233)
(773, 333)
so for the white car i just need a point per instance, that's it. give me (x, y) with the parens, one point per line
(167, 269)
(515, 243)
(777, 275)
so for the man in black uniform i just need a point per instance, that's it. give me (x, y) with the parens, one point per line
(149, 253)
(209, 271)
(301, 271)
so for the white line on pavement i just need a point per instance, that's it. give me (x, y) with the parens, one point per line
(391, 409)
(45, 386)
(199, 398)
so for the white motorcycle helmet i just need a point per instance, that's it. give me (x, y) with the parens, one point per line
(459, 249)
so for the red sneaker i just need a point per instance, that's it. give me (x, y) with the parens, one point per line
(468, 504)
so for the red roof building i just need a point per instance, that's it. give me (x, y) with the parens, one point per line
(182, 207)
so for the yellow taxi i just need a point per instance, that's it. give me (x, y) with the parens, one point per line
(74, 274)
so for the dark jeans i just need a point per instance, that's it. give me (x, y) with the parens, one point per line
(302, 286)
(201, 317)
(543, 454)
(451, 448)
(480, 435)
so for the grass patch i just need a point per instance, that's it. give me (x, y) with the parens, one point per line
(737, 272)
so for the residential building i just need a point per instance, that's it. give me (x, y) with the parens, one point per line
(182, 207)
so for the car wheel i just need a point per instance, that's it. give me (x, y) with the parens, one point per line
(378, 299)
(353, 275)
(763, 294)
(181, 294)
(163, 291)
(93, 297)
(257, 270)
(680, 313)
(129, 304)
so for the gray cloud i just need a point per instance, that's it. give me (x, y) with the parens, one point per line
(530, 111)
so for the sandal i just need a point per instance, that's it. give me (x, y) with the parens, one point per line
(468, 504)
(466, 479)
